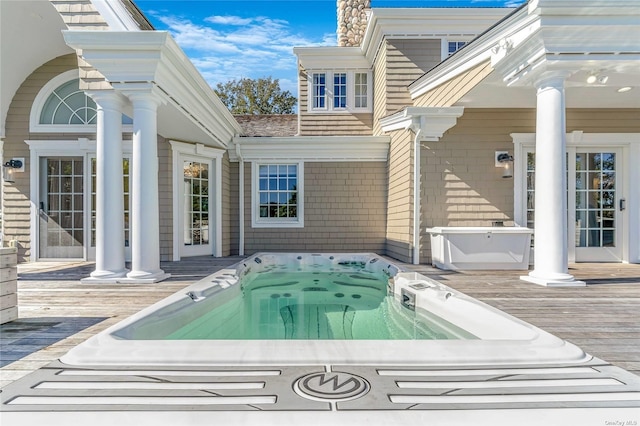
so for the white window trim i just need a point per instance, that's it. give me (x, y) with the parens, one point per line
(444, 49)
(329, 108)
(81, 147)
(41, 99)
(257, 222)
(629, 143)
(180, 149)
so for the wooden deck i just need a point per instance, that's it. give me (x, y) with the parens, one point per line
(58, 312)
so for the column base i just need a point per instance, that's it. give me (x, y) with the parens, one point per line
(144, 277)
(105, 277)
(553, 280)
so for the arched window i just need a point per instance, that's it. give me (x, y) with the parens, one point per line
(61, 106)
(68, 105)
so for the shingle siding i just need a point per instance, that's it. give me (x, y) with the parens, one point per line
(345, 205)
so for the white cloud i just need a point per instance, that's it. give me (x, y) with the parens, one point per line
(228, 20)
(225, 48)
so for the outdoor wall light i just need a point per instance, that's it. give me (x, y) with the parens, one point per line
(600, 78)
(505, 160)
(10, 167)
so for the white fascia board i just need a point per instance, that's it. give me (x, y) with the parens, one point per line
(582, 7)
(426, 23)
(317, 58)
(153, 56)
(495, 41)
(312, 148)
(116, 14)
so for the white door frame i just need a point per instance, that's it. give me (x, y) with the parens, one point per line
(81, 147)
(180, 151)
(628, 146)
(55, 148)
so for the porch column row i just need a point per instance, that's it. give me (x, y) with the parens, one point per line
(144, 218)
(550, 229)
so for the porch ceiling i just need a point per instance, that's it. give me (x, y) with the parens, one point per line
(492, 92)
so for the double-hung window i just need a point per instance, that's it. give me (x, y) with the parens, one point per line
(340, 91)
(319, 91)
(277, 199)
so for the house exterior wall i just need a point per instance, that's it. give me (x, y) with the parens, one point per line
(165, 198)
(379, 89)
(344, 205)
(399, 233)
(80, 14)
(398, 64)
(449, 93)
(226, 205)
(16, 197)
(328, 124)
(16, 205)
(234, 207)
(460, 185)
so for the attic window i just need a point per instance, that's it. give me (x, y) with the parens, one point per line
(454, 46)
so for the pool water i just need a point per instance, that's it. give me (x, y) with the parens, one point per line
(346, 302)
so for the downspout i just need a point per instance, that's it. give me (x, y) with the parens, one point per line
(240, 200)
(416, 192)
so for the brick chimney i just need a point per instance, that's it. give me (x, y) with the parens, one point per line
(352, 21)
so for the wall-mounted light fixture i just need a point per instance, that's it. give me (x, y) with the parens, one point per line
(599, 78)
(505, 160)
(10, 168)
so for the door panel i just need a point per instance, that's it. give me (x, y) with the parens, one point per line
(61, 212)
(196, 207)
(597, 223)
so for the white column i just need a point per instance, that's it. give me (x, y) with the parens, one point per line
(145, 221)
(550, 231)
(110, 250)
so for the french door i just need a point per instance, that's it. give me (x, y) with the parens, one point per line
(596, 188)
(595, 203)
(61, 208)
(196, 196)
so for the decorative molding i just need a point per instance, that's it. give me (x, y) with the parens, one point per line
(312, 148)
(153, 57)
(331, 58)
(431, 122)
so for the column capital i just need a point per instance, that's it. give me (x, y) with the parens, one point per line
(553, 79)
(107, 99)
(141, 93)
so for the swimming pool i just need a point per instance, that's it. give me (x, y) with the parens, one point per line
(363, 310)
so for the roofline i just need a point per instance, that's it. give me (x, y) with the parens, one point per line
(472, 54)
(408, 22)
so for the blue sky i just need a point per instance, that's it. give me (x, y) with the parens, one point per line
(229, 40)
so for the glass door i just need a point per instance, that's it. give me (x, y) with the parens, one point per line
(61, 212)
(597, 219)
(196, 229)
(126, 162)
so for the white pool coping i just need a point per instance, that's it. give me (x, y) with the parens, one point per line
(504, 340)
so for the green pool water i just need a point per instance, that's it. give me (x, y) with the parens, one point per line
(344, 304)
